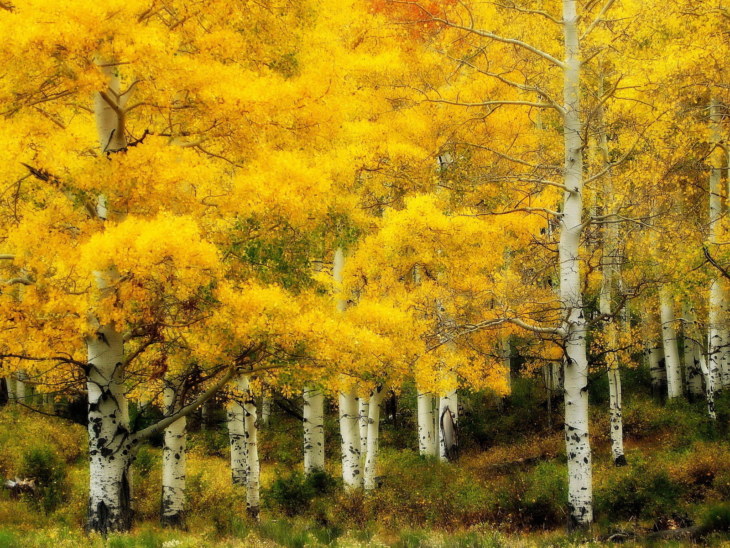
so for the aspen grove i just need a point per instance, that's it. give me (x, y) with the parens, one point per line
(327, 257)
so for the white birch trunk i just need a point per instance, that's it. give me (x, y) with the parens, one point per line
(313, 413)
(702, 364)
(427, 441)
(21, 393)
(658, 374)
(110, 451)
(253, 468)
(350, 440)
(265, 409)
(363, 412)
(372, 437)
(609, 273)
(692, 353)
(578, 449)
(237, 440)
(717, 333)
(448, 418)
(507, 362)
(349, 412)
(10, 382)
(671, 351)
(173, 464)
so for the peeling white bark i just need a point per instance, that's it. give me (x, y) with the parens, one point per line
(578, 449)
(448, 419)
(253, 469)
(110, 448)
(173, 463)
(363, 409)
(372, 437)
(349, 412)
(10, 383)
(350, 440)
(427, 441)
(265, 409)
(313, 413)
(671, 350)
(717, 333)
(237, 440)
(692, 353)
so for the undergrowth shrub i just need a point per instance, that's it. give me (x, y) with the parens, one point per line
(542, 504)
(49, 472)
(22, 430)
(641, 490)
(294, 493)
(716, 518)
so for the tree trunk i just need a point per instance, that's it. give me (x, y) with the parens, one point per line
(350, 440)
(702, 364)
(671, 351)
(692, 353)
(578, 449)
(253, 480)
(427, 441)
(21, 392)
(265, 409)
(11, 384)
(110, 447)
(363, 412)
(373, 431)
(313, 413)
(173, 464)
(237, 439)
(448, 422)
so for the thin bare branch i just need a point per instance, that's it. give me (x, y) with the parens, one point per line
(598, 18)
(484, 33)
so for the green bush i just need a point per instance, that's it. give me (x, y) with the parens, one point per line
(716, 518)
(49, 472)
(638, 491)
(294, 493)
(543, 503)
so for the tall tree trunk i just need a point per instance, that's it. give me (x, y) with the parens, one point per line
(110, 452)
(237, 440)
(349, 412)
(21, 392)
(671, 350)
(11, 384)
(702, 364)
(372, 437)
(350, 440)
(363, 412)
(173, 463)
(448, 419)
(692, 353)
(313, 413)
(427, 441)
(610, 272)
(578, 449)
(253, 469)
(717, 333)
(265, 409)
(110, 449)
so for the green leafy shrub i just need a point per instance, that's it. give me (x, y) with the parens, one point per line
(716, 518)
(638, 491)
(49, 472)
(294, 493)
(543, 504)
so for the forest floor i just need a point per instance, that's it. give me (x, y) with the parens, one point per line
(507, 489)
